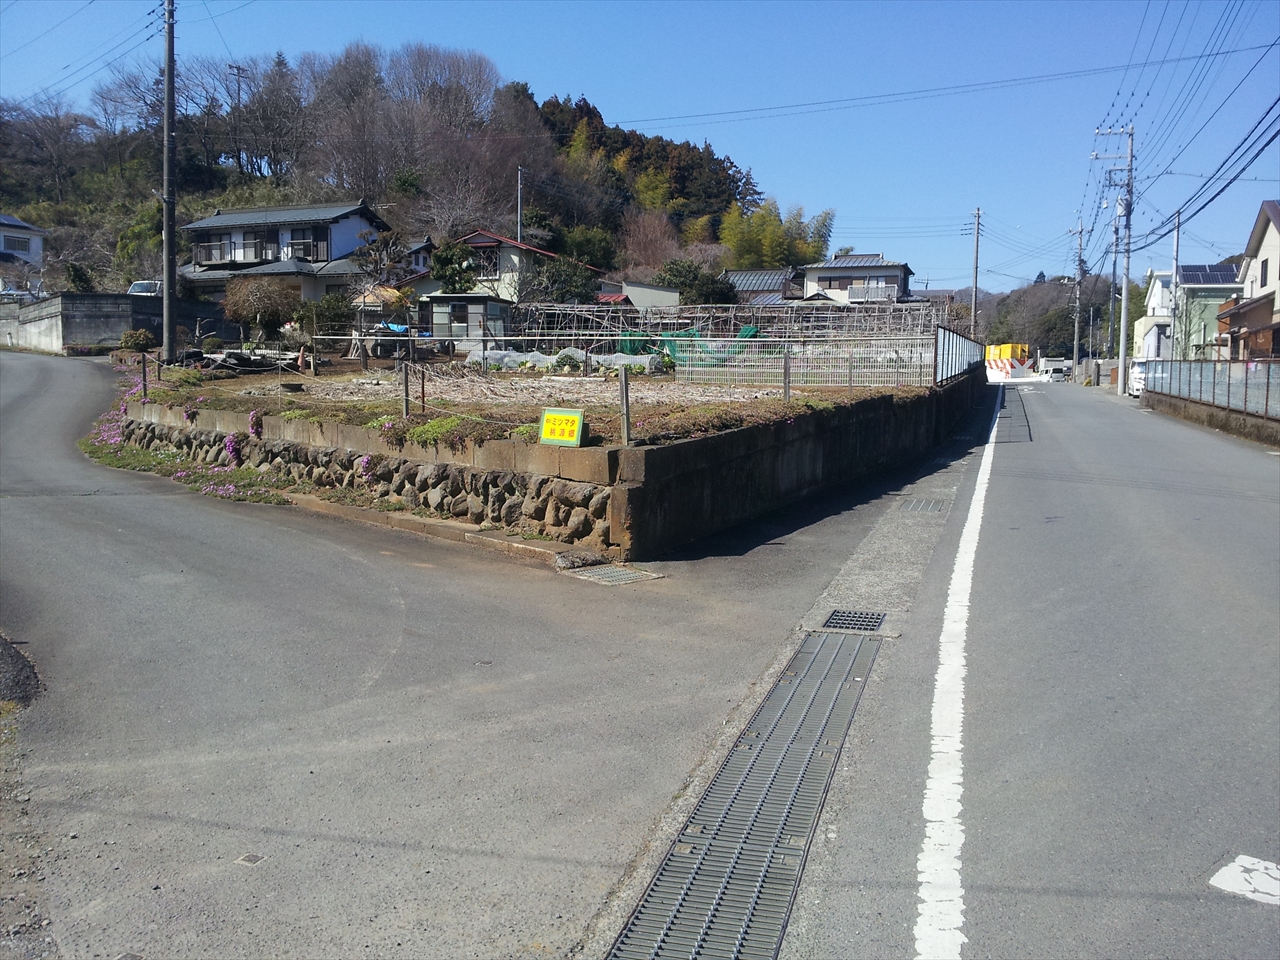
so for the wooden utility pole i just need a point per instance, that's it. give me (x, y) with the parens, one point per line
(169, 348)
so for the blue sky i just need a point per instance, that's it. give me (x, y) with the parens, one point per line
(904, 175)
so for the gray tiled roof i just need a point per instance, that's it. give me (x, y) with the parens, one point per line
(759, 281)
(345, 267)
(274, 216)
(8, 220)
(855, 260)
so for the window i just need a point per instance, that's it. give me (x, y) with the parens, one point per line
(23, 245)
(833, 283)
(339, 288)
(1262, 272)
(486, 259)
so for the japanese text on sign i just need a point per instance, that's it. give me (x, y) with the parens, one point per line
(562, 427)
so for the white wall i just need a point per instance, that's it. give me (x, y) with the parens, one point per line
(1269, 251)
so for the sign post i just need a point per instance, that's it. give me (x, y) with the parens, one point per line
(562, 428)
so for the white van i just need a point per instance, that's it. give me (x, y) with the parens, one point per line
(146, 288)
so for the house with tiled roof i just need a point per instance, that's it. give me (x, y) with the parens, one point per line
(20, 242)
(768, 285)
(307, 247)
(858, 278)
(1251, 320)
(504, 266)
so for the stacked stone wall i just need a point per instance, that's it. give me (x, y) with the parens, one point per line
(565, 510)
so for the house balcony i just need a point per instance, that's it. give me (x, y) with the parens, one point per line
(873, 293)
(207, 254)
(305, 250)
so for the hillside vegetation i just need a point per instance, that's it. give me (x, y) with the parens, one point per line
(432, 137)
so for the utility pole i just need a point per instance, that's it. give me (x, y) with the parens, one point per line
(1173, 291)
(973, 294)
(1127, 201)
(1075, 346)
(169, 350)
(240, 72)
(1111, 312)
(520, 204)
(1122, 389)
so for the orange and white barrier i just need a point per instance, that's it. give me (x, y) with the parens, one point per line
(1010, 370)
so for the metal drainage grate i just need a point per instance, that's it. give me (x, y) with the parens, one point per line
(611, 575)
(923, 506)
(726, 886)
(861, 621)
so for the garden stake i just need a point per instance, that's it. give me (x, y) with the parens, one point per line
(626, 405)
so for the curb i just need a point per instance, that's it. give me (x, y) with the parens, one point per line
(544, 552)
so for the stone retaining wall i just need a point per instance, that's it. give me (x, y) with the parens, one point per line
(631, 503)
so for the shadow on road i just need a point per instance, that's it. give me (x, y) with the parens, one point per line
(772, 528)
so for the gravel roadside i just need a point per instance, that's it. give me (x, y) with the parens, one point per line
(24, 927)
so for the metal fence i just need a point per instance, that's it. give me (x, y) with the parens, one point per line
(1249, 386)
(826, 362)
(954, 354)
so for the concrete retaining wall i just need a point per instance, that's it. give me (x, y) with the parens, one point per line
(100, 318)
(1246, 425)
(633, 503)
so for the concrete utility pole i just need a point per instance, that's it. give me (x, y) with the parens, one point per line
(1124, 289)
(520, 204)
(1173, 290)
(1126, 201)
(1075, 347)
(1111, 312)
(973, 294)
(169, 349)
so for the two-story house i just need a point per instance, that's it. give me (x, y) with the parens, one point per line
(858, 278)
(21, 243)
(1200, 292)
(1251, 319)
(306, 247)
(1151, 331)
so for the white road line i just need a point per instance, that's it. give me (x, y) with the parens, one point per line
(1249, 877)
(941, 907)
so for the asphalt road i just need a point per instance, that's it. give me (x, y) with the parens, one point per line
(1121, 720)
(438, 753)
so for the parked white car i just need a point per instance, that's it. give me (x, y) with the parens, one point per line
(146, 288)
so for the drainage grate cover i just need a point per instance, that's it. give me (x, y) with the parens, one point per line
(861, 621)
(726, 886)
(923, 506)
(251, 859)
(611, 575)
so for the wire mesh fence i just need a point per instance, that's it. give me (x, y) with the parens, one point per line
(1248, 386)
(827, 362)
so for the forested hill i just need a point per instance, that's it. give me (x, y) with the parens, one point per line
(432, 136)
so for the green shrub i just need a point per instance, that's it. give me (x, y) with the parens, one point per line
(211, 344)
(137, 340)
(432, 432)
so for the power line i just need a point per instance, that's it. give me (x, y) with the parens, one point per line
(47, 32)
(45, 94)
(824, 106)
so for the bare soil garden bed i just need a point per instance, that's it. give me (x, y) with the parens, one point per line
(463, 403)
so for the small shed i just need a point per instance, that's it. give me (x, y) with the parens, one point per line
(465, 316)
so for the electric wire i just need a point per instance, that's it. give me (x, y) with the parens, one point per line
(45, 33)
